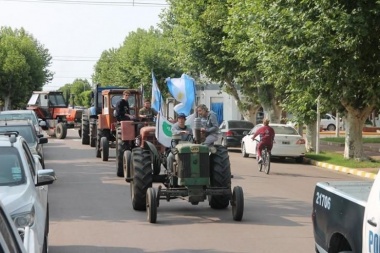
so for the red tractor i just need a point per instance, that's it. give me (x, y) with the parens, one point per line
(51, 107)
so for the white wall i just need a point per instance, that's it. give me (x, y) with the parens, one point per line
(230, 109)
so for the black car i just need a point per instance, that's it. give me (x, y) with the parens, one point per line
(231, 132)
(27, 131)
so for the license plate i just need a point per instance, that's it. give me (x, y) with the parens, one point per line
(286, 142)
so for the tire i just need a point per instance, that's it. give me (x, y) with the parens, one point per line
(85, 130)
(237, 203)
(121, 146)
(92, 134)
(127, 165)
(220, 176)
(97, 146)
(151, 205)
(61, 131)
(142, 177)
(299, 159)
(105, 148)
(267, 163)
(243, 152)
(331, 127)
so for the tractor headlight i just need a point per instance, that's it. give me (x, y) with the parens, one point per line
(24, 219)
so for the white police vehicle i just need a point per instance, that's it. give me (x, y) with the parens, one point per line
(24, 188)
(346, 216)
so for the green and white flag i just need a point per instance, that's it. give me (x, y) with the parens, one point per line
(163, 130)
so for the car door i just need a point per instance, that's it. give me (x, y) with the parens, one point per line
(251, 144)
(40, 192)
(222, 132)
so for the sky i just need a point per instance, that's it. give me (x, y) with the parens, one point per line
(76, 32)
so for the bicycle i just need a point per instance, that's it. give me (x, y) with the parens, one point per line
(265, 156)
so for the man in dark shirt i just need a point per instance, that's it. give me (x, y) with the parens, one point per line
(122, 107)
(266, 138)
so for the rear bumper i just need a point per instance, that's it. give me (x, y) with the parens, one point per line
(233, 142)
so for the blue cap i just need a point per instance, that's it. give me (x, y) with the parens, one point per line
(181, 115)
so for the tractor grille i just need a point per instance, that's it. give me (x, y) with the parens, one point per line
(193, 165)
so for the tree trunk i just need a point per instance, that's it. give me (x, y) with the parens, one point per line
(354, 139)
(272, 110)
(311, 137)
(7, 102)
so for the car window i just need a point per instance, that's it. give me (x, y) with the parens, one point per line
(11, 172)
(26, 131)
(240, 124)
(29, 158)
(285, 130)
(19, 116)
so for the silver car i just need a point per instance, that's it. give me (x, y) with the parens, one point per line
(24, 188)
(24, 115)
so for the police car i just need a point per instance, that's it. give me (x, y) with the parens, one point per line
(24, 188)
(346, 216)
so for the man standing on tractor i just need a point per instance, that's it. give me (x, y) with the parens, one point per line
(184, 131)
(209, 124)
(266, 139)
(122, 107)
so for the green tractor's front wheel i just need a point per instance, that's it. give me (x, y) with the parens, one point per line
(220, 176)
(151, 205)
(237, 203)
(142, 177)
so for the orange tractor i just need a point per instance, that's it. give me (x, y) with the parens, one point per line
(51, 107)
(123, 135)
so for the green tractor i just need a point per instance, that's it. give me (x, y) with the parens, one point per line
(199, 173)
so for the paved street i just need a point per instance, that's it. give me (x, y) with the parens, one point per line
(90, 208)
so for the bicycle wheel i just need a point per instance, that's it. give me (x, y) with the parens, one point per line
(267, 162)
(262, 164)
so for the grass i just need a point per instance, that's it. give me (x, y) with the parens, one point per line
(341, 139)
(338, 159)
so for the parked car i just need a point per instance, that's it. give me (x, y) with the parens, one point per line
(328, 122)
(12, 239)
(231, 132)
(24, 188)
(26, 130)
(288, 143)
(38, 123)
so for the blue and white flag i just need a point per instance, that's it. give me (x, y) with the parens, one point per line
(157, 100)
(163, 130)
(183, 90)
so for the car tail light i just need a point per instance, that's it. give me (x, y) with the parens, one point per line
(301, 141)
(229, 133)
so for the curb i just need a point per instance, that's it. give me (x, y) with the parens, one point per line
(355, 172)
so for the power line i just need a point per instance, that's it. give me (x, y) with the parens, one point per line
(151, 3)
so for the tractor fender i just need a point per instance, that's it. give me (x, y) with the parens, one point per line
(156, 161)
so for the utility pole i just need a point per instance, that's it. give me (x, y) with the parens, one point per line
(318, 126)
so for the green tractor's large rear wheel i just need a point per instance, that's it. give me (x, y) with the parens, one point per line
(142, 177)
(220, 176)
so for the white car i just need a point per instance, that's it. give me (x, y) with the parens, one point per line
(288, 143)
(24, 188)
(328, 122)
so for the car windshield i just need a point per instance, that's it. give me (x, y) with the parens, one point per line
(19, 116)
(240, 124)
(285, 130)
(11, 172)
(25, 131)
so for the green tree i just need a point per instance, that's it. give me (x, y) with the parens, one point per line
(23, 67)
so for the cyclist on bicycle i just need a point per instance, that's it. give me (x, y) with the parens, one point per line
(266, 138)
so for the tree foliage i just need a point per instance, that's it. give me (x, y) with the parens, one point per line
(24, 66)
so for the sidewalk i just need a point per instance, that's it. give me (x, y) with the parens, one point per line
(371, 150)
